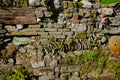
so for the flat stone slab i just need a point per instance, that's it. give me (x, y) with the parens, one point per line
(17, 16)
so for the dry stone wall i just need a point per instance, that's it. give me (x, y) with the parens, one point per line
(71, 27)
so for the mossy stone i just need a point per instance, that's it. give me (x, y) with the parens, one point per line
(67, 10)
(81, 35)
(65, 4)
(70, 4)
(79, 3)
(17, 33)
(25, 3)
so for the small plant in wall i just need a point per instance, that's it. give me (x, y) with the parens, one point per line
(65, 76)
(20, 74)
(102, 63)
(8, 74)
(92, 55)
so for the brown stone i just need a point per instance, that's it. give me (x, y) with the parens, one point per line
(75, 21)
(69, 15)
(34, 26)
(75, 16)
(86, 13)
(17, 16)
(101, 15)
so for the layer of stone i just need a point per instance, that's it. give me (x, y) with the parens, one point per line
(85, 24)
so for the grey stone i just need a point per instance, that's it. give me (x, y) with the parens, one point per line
(50, 25)
(22, 50)
(63, 69)
(11, 61)
(46, 36)
(63, 54)
(39, 12)
(115, 21)
(64, 30)
(104, 39)
(86, 4)
(51, 29)
(47, 58)
(57, 74)
(106, 11)
(42, 33)
(37, 65)
(21, 40)
(2, 31)
(19, 60)
(96, 74)
(31, 51)
(55, 33)
(44, 41)
(101, 26)
(81, 13)
(43, 3)
(9, 27)
(48, 77)
(34, 3)
(40, 78)
(19, 26)
(78, 52)
(57, 79)
(97, 5)
(79, 27)
(73, 68)
(41, 63)
(10, 30)
(68, 33)
(59, 36)
(57, 4)
(76, 74)
(51, 73)
(48, 14)
(57, 69)
(7, 40)
(33, 59)
(74, 78)
(54, 63)
(59, 25)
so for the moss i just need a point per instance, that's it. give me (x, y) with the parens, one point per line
(70, 4)
(65, 76)
(81, 35)
(17, 33)
(25, 3)
(109, 1)
(79, 3)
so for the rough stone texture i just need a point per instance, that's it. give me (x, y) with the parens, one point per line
(74, 78)
(106, 11)
(18, 16)
(63, 69)
(44, 38)
(73, 68)
(48, 77)
(54, 63)
(79, 27)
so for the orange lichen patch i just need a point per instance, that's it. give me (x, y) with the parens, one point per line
(114, 44)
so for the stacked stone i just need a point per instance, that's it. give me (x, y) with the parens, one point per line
(86, 22)
(2, 34)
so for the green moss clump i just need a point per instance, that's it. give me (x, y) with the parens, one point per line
(109, 1)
